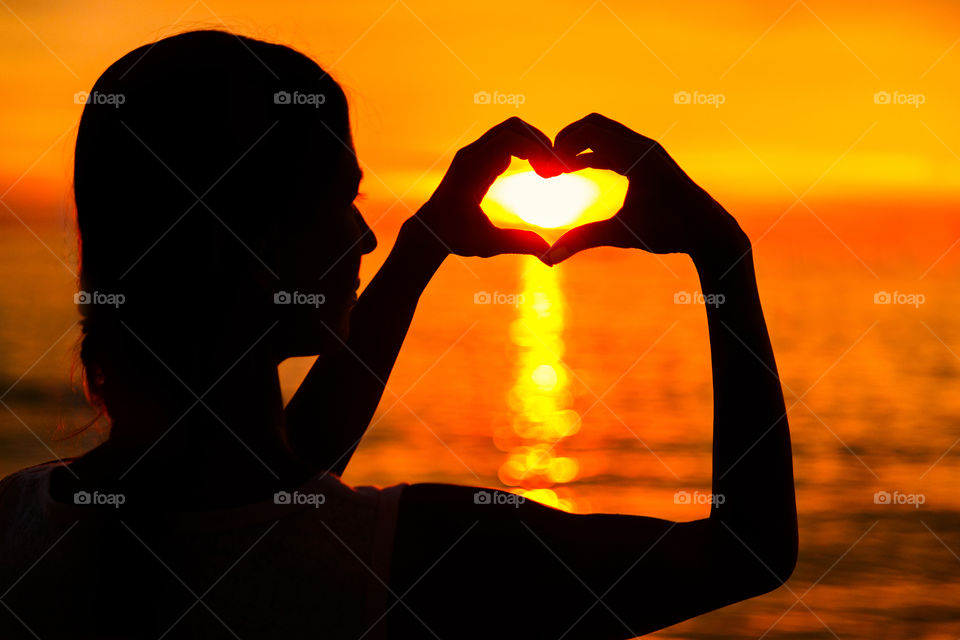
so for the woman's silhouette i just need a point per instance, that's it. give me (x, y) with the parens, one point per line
(219, 236)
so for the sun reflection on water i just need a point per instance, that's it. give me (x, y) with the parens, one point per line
(540, 401)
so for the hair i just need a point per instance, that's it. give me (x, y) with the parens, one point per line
(249, 127)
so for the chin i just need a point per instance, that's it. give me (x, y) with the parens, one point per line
(313, 335)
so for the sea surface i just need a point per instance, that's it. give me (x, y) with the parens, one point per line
(587, 386)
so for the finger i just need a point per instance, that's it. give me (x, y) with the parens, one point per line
(590, 138)
(604, 233)
(509, 142)
(541, 155)
(589, 132)
(519, 126)
(519, 241)
(613, 144)
(496, 154)
(589, 160)
(521, 144)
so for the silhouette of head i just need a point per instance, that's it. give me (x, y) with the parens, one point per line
(214, 182)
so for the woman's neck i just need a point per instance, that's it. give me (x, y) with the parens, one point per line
(221, 448)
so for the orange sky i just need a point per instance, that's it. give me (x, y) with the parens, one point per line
(796, 79)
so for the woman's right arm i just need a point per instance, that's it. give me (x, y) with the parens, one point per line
(331, 411)
(467, 569)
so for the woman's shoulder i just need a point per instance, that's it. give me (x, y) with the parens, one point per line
(31, 494)
(22, 502)
(28, 476)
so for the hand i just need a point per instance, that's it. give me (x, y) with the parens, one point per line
(452, 220)
(664, 211)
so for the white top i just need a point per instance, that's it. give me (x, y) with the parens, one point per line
(312, 563)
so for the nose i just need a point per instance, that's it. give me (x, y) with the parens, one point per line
(368, 241)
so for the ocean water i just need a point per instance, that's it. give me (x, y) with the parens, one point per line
(587, 386)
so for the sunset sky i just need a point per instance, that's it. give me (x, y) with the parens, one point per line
(797, 83)
(829, 130)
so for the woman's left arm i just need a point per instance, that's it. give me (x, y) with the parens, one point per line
(331, 409)
(329, 413)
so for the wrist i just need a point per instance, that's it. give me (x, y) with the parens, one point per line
(728, 272)
(417, 242)
(722, 251)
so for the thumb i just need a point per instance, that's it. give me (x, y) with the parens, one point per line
(603, 233)
(586, 160)
(519, 241)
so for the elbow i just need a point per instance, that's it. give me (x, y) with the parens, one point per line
(761, 562)
(791, 555)
(783, 565)
(779, 562)
(789, 550)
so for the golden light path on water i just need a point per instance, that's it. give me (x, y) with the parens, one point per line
(540, 401)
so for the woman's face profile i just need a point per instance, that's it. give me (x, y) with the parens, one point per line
(318, 266)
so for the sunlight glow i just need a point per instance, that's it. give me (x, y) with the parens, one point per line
(545, 202)
(521, 197)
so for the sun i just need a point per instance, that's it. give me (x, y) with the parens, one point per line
(520, 196)
(545, 202)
